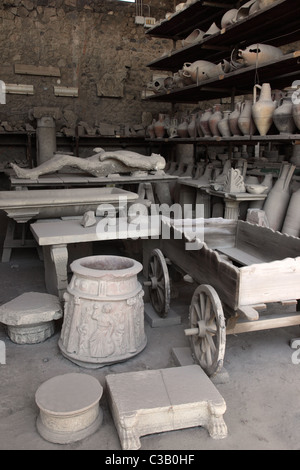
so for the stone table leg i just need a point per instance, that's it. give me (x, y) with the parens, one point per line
(56, 276)
(231, 209)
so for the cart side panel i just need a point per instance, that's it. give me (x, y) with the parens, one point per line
(270, 282)
(206, 267)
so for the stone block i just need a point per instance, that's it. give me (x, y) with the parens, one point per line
(155, 321)
(154, 401)
(30, 317)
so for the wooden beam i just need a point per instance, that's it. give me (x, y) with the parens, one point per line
(37, 70)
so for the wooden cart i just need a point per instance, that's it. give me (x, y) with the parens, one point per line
(241, 269)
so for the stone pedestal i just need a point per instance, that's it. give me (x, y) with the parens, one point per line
(30, 317)
(69, 408)
(154, 401)
(104, 312)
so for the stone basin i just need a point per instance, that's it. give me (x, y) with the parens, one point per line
(53, 203)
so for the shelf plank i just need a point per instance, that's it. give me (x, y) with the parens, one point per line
(279, 73)
(276, 25)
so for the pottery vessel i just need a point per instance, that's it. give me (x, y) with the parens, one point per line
(291, 225)
(244, 10)
(159, 126)
(213, 29)
(263, 109)
(172, 128)
(192, 128)
(245, 120)
(295, 158)
(283, 115)
(182, 129)
(201, 70)
(223, 125)
(198, 119)
(204, 122)
(277, 201)
(296, 106)
(229, 18)
(257, 54)
(192, 38)
(104, 312)
(150, 130)
(233, 120)
(214, 120)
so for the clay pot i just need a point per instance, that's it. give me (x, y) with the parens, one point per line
(244, 10)
(198, 118)
(159, 126)
(291, 225)
(172, 128)
(277, 201)
(201, 70)
(213, 29)
(263, 109)
(233, 119)
(257, 54)
(229, 18)
(150, 130)
(192, 38)
(214, 120)
(223, 125)
(283, 115)
(204, 122)
(182, 129)
(192, 128)
(104, 311)
(245, 120)
(296, 107)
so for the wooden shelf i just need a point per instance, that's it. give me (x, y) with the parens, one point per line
(279, 73)
(276, 25)
(237, 140)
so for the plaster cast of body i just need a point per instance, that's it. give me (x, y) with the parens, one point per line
(101, 164)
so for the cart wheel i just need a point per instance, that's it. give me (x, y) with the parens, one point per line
(208, 329)
(159, 283)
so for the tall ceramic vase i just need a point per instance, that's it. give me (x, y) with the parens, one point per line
(204, 122)
(263, 108)
(277, 201)
(296, 107)
(214, 120)
(245, 120)
(291, 224)
(283, 115)
(159, 126)
(233, 119)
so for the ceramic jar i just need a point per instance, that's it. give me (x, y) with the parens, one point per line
(277, 201)
(263, 109)
(257, 54)
(204, 122)
(159, 126)
(296, 106)
(223, 125)
(104, 312)
(233, 120)
(201, 70)
(214, 120)
(291, 225)
(245, 120)
(192, 128)
(182, 129)
(283, 115)
(150, 130)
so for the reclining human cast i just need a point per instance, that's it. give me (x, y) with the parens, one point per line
(102, 163)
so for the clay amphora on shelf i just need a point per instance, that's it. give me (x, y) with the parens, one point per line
(283, 115)
(223, 125)
(198, 118)
(182, 129)
(277, 201)
(245, 120)
(263, 109)
(202, 70)
(291, 225)
(172, 128)
(192, 38)
(192, 128)
(257, 54)
(233, 119)
(150, 130)
(296, 106)
(204, 122)
(229, 17)
(159, 126)
(215, 118)
(213, 29)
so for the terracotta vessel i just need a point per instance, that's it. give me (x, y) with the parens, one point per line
(213, 29)
(291, 225)
(204, 122)
(159, 126)
(263, 109)
(182, 129)
(296, 106)
(277, 201)
(192, 38)
(215, 118)
(198, 119)
(202, 70)
(229, 18)
(192, 128)
(245, 120)
(283, 115)
(223, 125)
(104, 312)
(233, 119)
(150, 130)
(257, 54)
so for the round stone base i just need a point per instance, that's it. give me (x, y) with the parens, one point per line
(97, 363)
(32, 334)
(67, 437)
(69, 408)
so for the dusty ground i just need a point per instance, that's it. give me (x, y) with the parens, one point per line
(262, 393)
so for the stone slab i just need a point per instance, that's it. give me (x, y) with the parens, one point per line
(155, 321)
(184, 397)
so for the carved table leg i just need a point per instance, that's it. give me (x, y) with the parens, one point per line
(56, 276)
(231, 209)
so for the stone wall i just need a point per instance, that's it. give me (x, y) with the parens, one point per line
(96, 47)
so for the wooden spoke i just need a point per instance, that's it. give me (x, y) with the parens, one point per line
(207, 318)
(159, 285)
